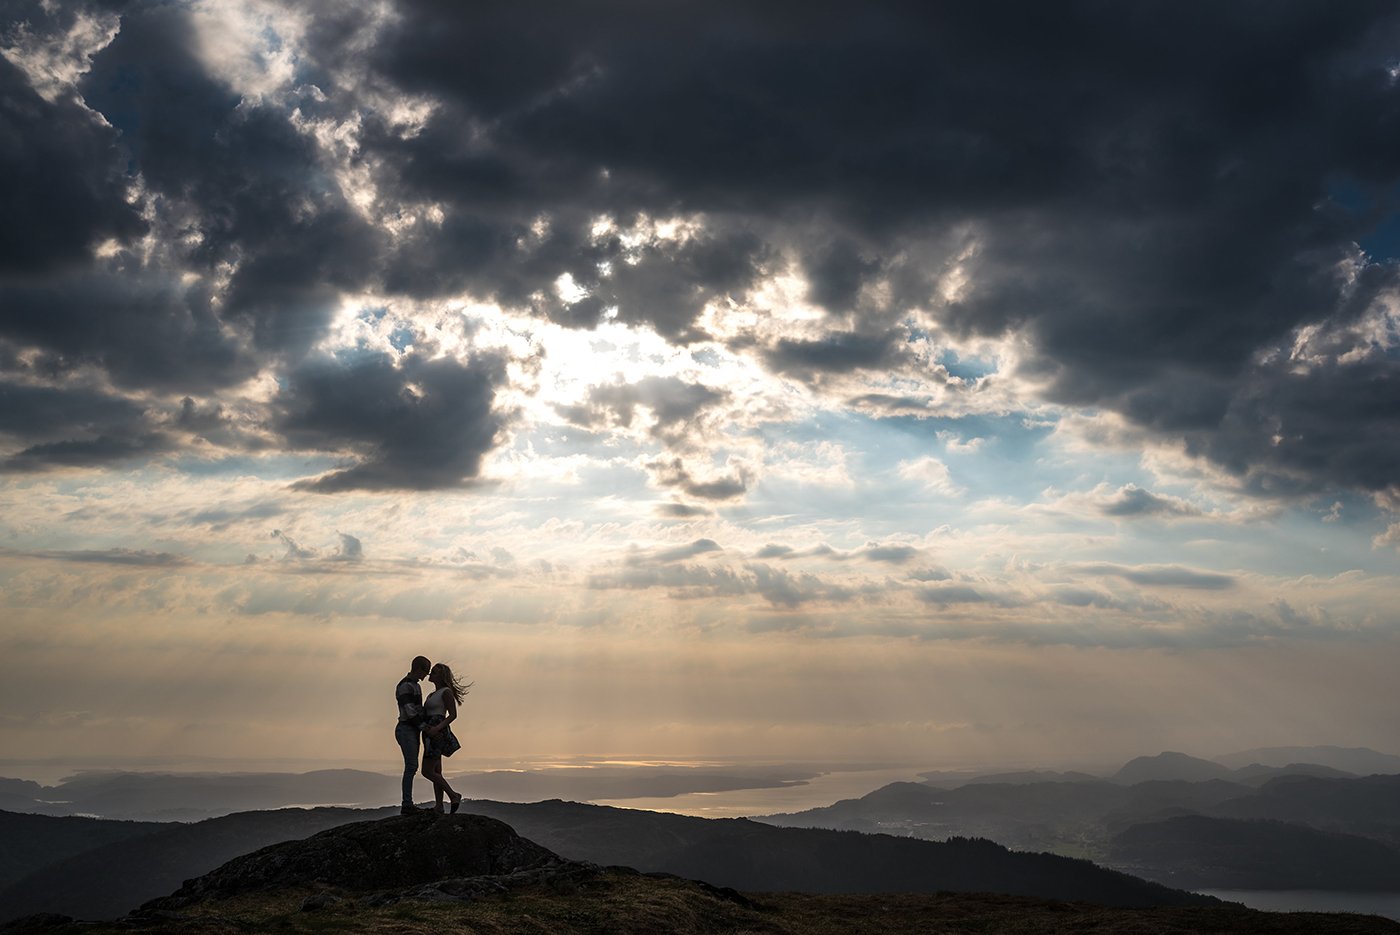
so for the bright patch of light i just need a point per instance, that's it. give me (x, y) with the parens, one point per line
(250, 45)
(568, 290)
(54, 63)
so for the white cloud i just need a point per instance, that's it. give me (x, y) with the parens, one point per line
(930, 472)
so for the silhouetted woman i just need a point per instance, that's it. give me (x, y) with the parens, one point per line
(441, 710)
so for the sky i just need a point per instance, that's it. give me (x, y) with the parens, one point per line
(891, 382)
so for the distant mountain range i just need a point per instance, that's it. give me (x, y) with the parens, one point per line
(1361, 761)
(157, 796)
(1180, 766)
(1245, 766)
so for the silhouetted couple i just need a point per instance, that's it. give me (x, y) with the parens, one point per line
(431, 721)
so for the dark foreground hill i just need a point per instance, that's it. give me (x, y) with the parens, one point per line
(731, 852)
(467, 873)
(1196, 851)
(46, 840)
(125, 872)
(749, 855)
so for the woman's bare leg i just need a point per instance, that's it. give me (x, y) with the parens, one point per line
(432, 771)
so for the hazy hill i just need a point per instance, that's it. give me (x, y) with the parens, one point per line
(1028, 776)
(1368, 806)
(18, 794)
(1360, 761)
(1256, 774)
(1067, 817)
(730, 852)
(1196, 851)
(1317, 828)
(1170, 766)
(193, 796)
(471, 874)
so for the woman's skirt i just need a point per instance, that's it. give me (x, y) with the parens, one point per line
(445, 743)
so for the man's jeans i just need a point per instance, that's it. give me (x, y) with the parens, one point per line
(407, 736)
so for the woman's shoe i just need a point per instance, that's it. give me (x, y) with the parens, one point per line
(456, 802)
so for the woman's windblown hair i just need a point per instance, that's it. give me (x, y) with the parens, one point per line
(442, 675)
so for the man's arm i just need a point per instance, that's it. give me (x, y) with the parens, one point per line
(410, 699)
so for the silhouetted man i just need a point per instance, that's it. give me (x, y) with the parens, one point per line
(410, 726)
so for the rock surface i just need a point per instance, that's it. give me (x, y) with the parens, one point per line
(391, 853)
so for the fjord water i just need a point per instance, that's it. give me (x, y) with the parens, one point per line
(827, 787)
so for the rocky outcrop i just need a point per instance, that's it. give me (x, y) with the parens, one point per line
(389, 854)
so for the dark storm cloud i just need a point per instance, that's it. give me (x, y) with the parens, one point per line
(668, 285)
(73, 427)
(235, 189)
(250, 239)
(251, 185)
(836, 273)
(87, 452)
(1155, 196)
(144, 329)
(504, 255)
(37, 412)
(64, 190)
(412, 424)
(1149, 191)
(840, 352)
(1296, 429)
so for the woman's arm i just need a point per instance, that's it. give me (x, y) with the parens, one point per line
(451, 709)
